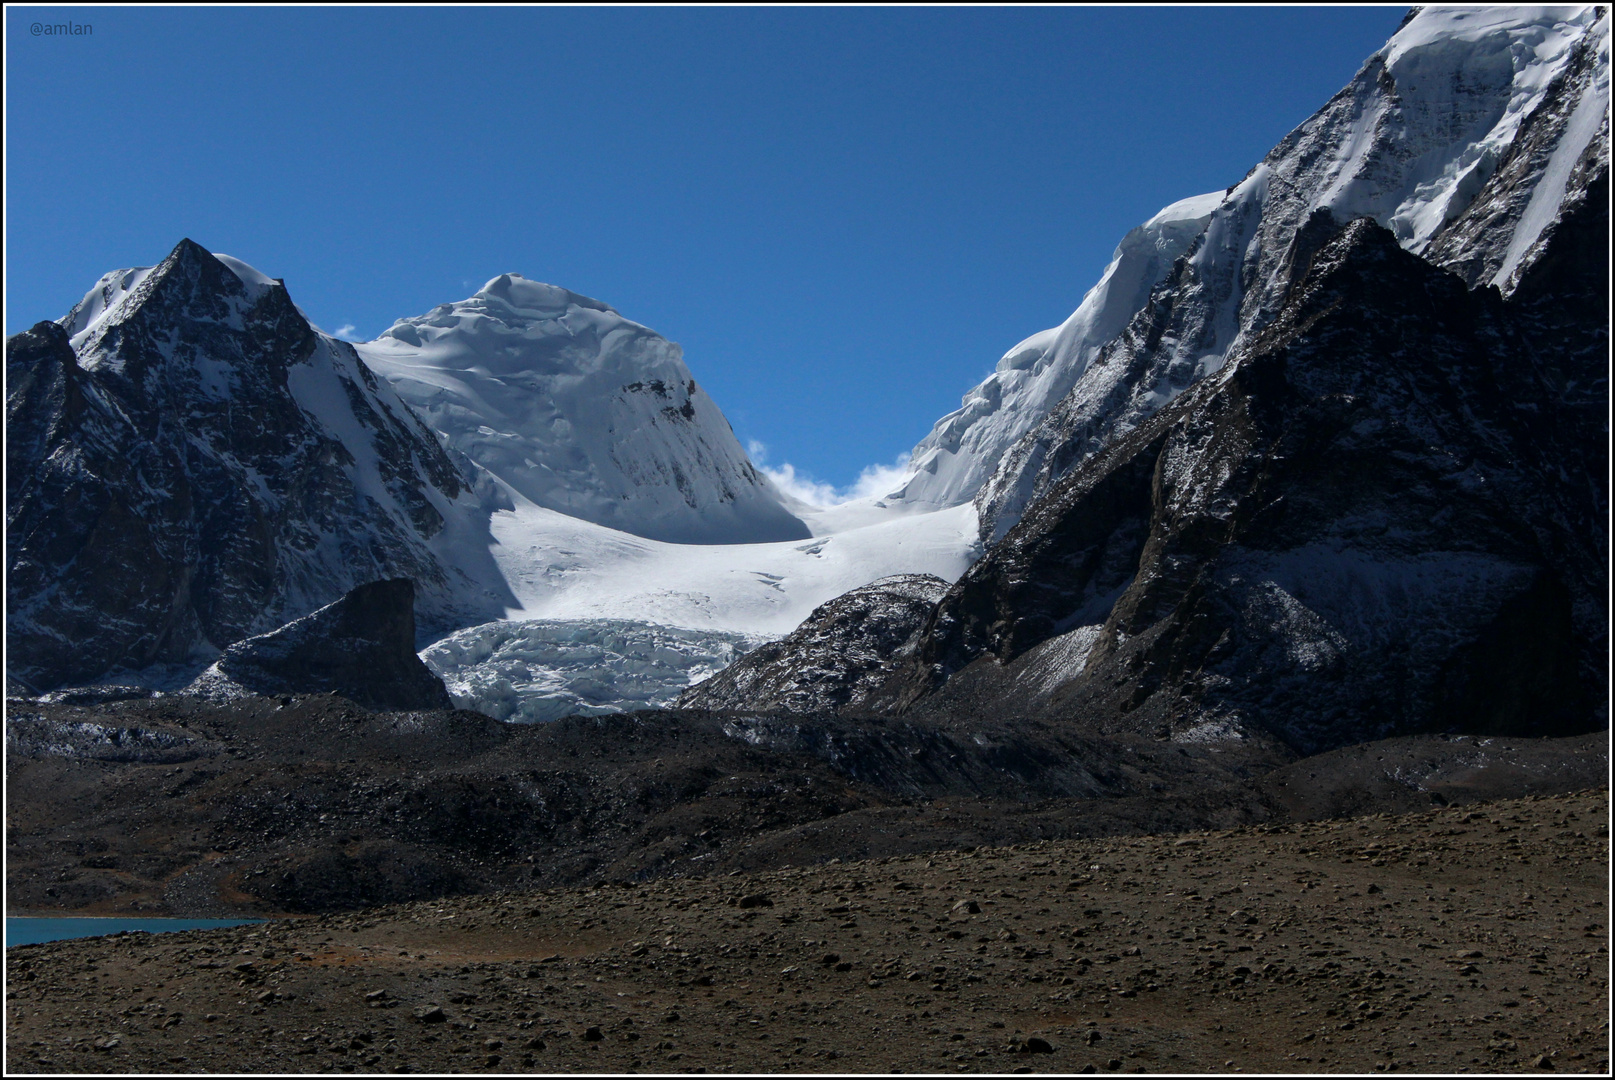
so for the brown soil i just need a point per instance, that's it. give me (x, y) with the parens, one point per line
(1455, 939)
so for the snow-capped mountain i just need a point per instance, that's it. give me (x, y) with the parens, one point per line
(190, 463)
(577, 409)
(1344, 473)
(1464, 136)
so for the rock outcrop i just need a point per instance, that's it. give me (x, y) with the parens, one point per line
(834, 659)
(362, 647)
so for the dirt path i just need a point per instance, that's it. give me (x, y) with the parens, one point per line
(1463, 939)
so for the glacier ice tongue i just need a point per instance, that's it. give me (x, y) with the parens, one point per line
(542, 670)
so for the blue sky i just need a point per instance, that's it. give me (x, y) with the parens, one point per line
(845, 216)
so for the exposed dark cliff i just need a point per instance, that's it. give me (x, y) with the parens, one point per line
(1385, 515)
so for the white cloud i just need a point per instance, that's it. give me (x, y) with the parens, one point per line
(347, 332)
(874, 482)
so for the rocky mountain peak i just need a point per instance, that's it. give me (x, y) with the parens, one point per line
(194, 463)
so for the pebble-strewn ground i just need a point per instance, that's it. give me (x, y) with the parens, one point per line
(1462, 939)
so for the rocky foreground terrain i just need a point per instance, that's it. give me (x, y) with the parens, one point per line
(1452, 939)
(311, 804)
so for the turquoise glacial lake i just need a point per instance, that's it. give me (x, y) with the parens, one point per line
(29, 931)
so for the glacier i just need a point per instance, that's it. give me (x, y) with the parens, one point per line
(544, 669)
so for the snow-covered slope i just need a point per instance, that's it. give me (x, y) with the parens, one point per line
(560, 567)
(581, 411)
(609, 621)
(1465, 136)
(950, 464)
(190, 462)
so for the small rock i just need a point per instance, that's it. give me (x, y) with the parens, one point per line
(376, 995)
(593, 1034)
(969, 907)
(265, 995)
(492, 1044)
(756, 900)
(536, 1044)
(1036, 1045)
(430, 1014)
(1542, 1061)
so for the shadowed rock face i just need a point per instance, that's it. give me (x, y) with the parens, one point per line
(839, 653)
(1385, 516)
(362, 647)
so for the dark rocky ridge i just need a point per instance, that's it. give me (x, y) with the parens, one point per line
(1385, 516)
(361, 647)
(834, 659)
(169, 491)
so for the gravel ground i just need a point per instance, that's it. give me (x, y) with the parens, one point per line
(1469, 938)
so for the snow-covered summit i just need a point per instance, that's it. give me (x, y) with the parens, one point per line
(560, 399)
(1465, 136)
